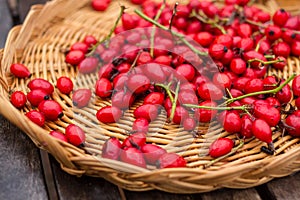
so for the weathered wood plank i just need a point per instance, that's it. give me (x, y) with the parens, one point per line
(6, 22)
(21, 172)
(285, 188)
(155, 194)
(232, 194)
(72, 187)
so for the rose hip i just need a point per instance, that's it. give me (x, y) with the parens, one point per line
(36, 117)
(64, 85)
(133, 156)
(170, 160)
(75, 135)
(109, 114)
(220, 147)
(111, 149)
(81, 97)
(35, 97)
(51, 110)
(18, 99)
(19, 70)
(58, 135)
(39, 83)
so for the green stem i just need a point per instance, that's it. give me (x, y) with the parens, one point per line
(174, 102)
(154, 29)
(110, 33)
(135, 60)
(264, 62)
(213, 23)
(244, 108)
(180, 36)
(233, 151)
(273, 91)
(167, 89)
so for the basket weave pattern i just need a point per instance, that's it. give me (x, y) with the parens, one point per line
(40, 43)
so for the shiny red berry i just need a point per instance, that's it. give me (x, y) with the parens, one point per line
(74, 57)
(58, 135)
(147, 111)
(19, 70)
(111, 149)
(246, 129)
(39, 83)
(81, 46)
(140, 125)
(51, 109)
(262, 131)
(103, 88)
(88, 65)
(152, 153)
(171, 160)
(133, 156)
(64, 85)
(36, 117)
(138, 83)
(75, 135)
(293, 121)
(296, 86)
(18, 99)
(100, 5)
(109, 114)
(220, 147)
(280, 17)
(137, 140)
(273, 32)
(238, 66)
(35, 97)
(81, 97)
(232, 122)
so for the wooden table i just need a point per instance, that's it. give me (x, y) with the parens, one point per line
(24, 175)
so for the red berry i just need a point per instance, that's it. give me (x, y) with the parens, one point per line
(18, 99)
(39, 83)
(122, 99)
(111, 149)
(204, 38)
(35, 97)
(262, 131)
(244, 30)
(293, 122)
(152, 153)
(246, 129)
(88, 65)
(103, 88)
(189, 124)
(206, 115)
(136, 140)
(222, 80)
(81, 46)
(20, 70)
(180, 114)
(186, 70)
(282, 49)
(64, 85)
(140, 125)
(209, 91)
(220, 147)
(297, 103)
(254, 85)
(90, 40)
(217, 51)
(100, 5)
(133, 156)
(81, 97)
(232, 122)
(109, 114)
(154, 72)
(273, 32)
(296, 86)
(155, 98)
(75, 57)
(171, 160)
(129, 21)
(51, 109)
(280, 65)
(138, 83)
(238, 66)
(36, 117)
(59, 135)
(284, 95)
(296, 48)
(280, 17)
(268, 113)
(75, 135)
(147, 111)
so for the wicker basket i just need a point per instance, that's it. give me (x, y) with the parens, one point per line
(40, 44)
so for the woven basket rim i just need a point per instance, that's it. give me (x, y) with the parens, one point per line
(14, 46)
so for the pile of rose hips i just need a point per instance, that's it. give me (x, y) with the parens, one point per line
(165, 72)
